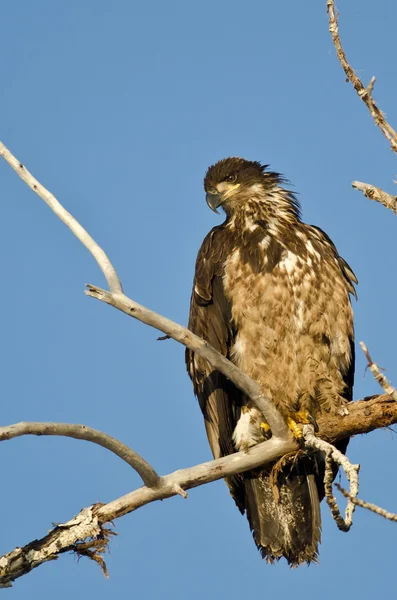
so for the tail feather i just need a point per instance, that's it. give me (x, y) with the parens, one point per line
(283, 511)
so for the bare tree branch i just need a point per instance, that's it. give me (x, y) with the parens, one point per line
(79, 231)
(82, 432)
(192, 341)
(374, 193)
(375, 412)
(333, 455)
(365, 93)
(63, 538)
(380, 378)
(368, 505)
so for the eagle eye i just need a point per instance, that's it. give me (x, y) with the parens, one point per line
(231, 178)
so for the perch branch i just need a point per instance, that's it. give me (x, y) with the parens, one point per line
(375, 193)
(82, 432)
(375, 412)
(368, 505)
(65, 216)
(380, 378)
(351, 471)
(365, 93)
(382, 411)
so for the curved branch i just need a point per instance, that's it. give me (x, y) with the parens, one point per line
(374, 193)
(192, 341)
(365, 93)
(82, 432)
(103, 261)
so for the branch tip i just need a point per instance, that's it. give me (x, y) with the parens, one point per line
(380, 377)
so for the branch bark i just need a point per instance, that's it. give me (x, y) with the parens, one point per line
(374, 412)
(374, 193)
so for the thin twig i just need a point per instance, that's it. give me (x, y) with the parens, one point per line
(380, 378)
(365, 93)
(79, 231)
(188, 339)
(368, 505)
(332, 454)
(374, 193)
(82, 432)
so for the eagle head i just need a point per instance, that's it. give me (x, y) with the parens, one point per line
(233, 183)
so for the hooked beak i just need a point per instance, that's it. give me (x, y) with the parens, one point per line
(214, 201)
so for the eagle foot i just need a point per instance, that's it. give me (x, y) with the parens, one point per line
(265, 430)
(303, 417)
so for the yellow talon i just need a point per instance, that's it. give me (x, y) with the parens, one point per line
(265, 427)
(304, 417)
(296, 430)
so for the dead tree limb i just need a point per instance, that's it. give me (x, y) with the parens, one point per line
(87, 535)
(374, 193)
(368, 505)
(365, 93)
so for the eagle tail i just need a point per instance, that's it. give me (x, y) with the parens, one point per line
(283, 510)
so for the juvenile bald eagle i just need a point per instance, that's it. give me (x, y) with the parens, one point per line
(271, 293)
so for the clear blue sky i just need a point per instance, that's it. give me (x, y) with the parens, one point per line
(118, 108)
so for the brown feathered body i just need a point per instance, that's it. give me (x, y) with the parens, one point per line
(272, 294)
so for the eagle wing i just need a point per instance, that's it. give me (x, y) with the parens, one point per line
(210, 318)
